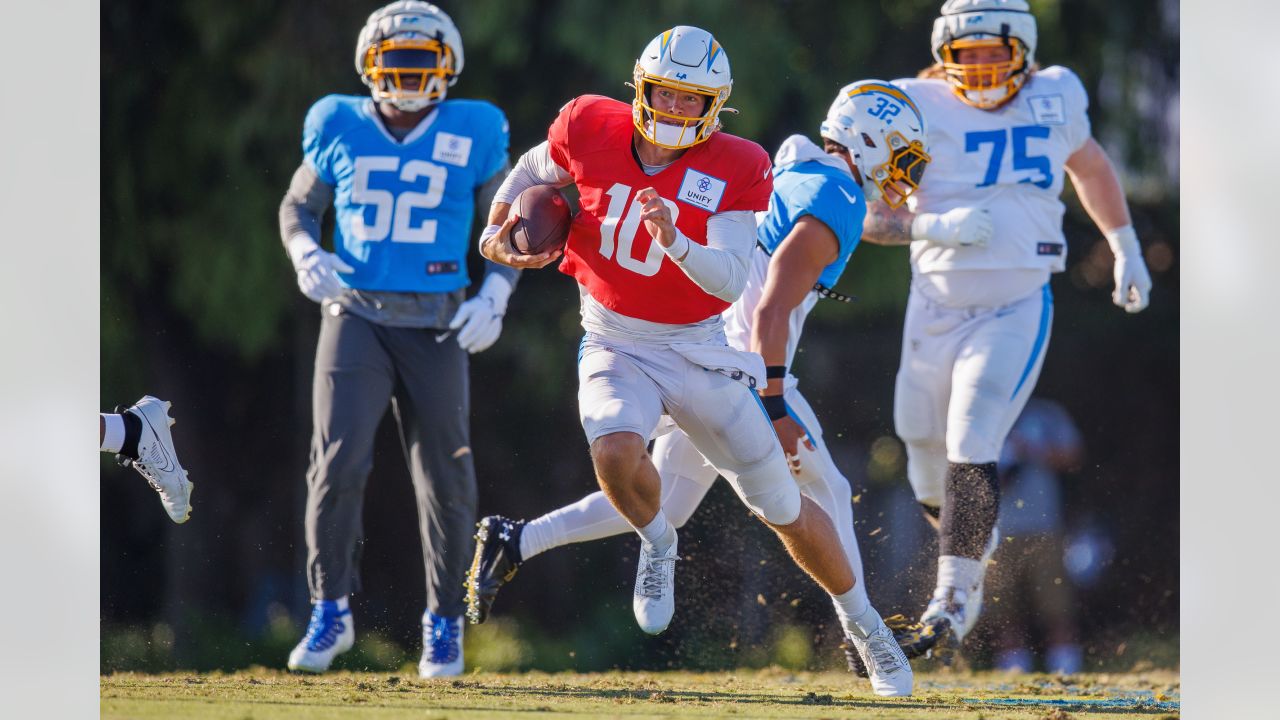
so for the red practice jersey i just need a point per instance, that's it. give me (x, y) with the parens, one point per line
(609, 251)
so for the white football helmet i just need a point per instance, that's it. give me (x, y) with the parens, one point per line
(409, 53)
(886, 137)
(683, 59)
(966, 24)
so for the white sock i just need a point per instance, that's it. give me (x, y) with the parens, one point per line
(343, 603)
(958, 572)
(855, 612)
(113, 437)
(591, 518)
(538, 536)
(659, 533)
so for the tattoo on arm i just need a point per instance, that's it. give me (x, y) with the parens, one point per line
(885, 226)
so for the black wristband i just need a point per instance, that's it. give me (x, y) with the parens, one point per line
(775, 371)
(774, 406)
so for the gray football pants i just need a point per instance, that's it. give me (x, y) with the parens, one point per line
(360, 366)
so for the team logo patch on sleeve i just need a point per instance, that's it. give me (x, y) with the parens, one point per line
(1048, 109)
(701, 190)
(452, 149)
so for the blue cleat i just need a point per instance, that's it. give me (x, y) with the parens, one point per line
(441, 646)
(329, 633)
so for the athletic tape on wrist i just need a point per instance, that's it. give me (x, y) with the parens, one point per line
(774, 406)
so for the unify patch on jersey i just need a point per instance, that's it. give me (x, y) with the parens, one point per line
(701, 190)
(1048, 109)
(452, 149)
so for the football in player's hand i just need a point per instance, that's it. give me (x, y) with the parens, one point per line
(544, 220)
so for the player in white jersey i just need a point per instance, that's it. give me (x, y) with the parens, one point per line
(804, 242)
(986, 235)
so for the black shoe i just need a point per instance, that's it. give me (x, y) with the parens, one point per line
(916, 640)
(496, 561)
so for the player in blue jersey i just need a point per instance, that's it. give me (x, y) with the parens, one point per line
(873, 149)
(405, 171)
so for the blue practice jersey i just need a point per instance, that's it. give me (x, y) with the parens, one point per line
(825, 192)
(403, 209)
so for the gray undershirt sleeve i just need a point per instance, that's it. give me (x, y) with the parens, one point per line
(719, 267)
(304, 204)
(535, 167)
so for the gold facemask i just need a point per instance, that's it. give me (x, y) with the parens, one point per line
(678, 131)
(985, 85)
(390, 63)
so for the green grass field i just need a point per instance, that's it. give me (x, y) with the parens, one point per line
(772, 693)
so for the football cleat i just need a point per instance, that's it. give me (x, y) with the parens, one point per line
(890, 674)
(441, 646)
(496, 560)
(915, 638)
(950, 606)
(329, 634)
(654, 601)
(973, 608)
(157, 460)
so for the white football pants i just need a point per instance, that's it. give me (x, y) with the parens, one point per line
(965, 375)
(687, 476)
(706, 389)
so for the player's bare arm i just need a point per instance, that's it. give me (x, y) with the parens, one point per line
(958, 227)
(1098, 187)
(793, 271)
(887, 226)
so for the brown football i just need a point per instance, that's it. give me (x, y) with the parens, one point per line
(544, 220)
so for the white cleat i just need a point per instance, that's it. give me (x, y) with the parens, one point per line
(441, 646)
(654, 601)
(887, 666)
(973, 605)
(952, 605)
(157, 460)
(329, 634)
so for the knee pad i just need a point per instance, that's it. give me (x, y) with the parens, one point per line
(927, 472)
(769, 491)
(976, 429)
(915, 417)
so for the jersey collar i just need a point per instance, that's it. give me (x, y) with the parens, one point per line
(371, 110)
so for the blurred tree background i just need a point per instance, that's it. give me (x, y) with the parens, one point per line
(201, 122)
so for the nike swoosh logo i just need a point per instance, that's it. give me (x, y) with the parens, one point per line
(852, 200)
(442, 337)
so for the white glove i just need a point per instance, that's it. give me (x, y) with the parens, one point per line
(481, 317)
(1133, 282)
(959, 227)
(317, 270)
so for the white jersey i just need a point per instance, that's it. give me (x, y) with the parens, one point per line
(1010, 161)
(740, 316)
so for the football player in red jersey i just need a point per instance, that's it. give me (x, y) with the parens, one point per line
(661, 247)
